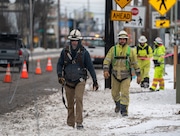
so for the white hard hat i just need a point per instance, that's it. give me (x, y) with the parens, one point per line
(75, 35)
(142, 39)
(122, 34)
(158, 40)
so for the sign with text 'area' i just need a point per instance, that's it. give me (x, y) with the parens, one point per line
(121, 15)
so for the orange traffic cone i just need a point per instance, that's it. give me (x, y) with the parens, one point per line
(7, 77)
(24, 73)
(49, 65)
(38, 68)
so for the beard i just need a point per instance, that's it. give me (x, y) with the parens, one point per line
(123, 44)
(74, 47)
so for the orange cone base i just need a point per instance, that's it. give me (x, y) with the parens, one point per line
(49, 68)
(38, 71)
(24, 75)
(7, 79)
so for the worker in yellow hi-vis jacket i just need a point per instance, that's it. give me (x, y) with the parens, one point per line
(122, 58)
(158, 58)
(144, 54)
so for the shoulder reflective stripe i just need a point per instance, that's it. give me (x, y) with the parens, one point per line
(69, 56)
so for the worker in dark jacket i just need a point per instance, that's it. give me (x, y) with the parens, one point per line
(72, 69)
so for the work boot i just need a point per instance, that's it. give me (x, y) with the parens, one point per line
(142, 85)
(152, 90)
(146, 82)
(117, 108)
(79, 126)
(146, 85)
(123, 110)
(70, 124)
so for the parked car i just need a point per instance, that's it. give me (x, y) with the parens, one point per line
(96, 48)
(13, 51)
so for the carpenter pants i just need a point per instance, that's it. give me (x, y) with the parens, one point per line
(120, 90)
(74, 98)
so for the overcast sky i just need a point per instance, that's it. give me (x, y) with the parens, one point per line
(95, 6)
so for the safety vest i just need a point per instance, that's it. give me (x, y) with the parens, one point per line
(121, 71)
(74, 70)
(122, 57)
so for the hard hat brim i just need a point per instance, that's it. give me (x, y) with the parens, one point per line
(142, 41)
(73, 38)
(122, 37)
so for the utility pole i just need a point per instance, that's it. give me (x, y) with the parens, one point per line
(58, 25)
(109, 34)
(147, 30)
(31, 24)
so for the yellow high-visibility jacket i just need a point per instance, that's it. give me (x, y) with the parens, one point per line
(122, 59)
(159, 54)
(144, 52)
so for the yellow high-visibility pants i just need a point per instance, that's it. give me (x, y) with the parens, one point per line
(158, 78)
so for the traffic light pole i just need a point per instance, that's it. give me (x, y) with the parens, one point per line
(109, 34)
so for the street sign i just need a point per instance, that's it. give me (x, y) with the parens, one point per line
(162, 6)
(121, 15)
(155, 15)
(138, 17)
(122, 3)
(162, 23)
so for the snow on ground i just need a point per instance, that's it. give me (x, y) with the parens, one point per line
(150, 114)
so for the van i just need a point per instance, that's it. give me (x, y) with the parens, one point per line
(96, 48)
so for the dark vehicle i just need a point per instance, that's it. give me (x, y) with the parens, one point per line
(95, 47)
(13, 51)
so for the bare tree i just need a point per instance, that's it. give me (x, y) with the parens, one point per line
(41, 9)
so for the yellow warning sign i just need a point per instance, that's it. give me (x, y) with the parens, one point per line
(162, 6)
(121, 15)
(122, 3)
(162, 23)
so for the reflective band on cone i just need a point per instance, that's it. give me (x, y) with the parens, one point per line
(38, 68)
(24, 73)
(49, 65)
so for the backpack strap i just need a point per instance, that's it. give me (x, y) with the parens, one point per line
(147, 49)
(79, 58)
(128, 60)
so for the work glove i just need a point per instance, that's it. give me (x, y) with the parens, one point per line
(61, 80)
(138, 79)
(106, 74)
(95, 86)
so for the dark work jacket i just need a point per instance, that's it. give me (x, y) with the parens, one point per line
(86, 60)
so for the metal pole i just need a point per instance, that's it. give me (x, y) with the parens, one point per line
(109, 34)
(58, 24)
(115, 23)
(175, 47)
(31, 25)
